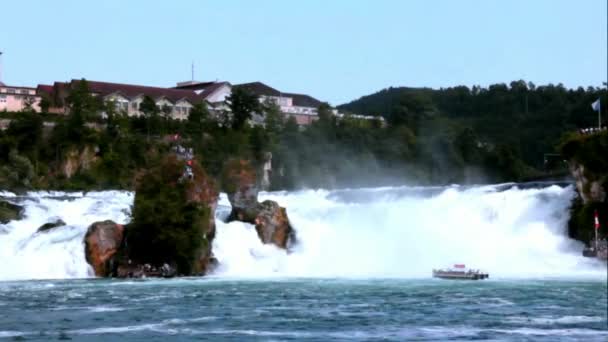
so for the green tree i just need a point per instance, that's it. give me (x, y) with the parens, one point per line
(273, 123)
(151, 111)
(82, 106)
(242, 104)
(197, 118)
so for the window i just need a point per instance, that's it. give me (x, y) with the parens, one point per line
(134, 106)
(10, 91)
(2, 98)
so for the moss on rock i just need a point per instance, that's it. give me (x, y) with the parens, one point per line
(9, 212)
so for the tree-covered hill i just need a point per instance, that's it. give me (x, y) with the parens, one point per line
(529, 119)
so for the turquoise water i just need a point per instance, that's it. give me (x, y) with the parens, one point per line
(220, 309)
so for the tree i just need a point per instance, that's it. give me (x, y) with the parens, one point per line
(242, 104)
(409, 110)
(150, 110)
(273, 122)
(82, 107)
(45, 103)
(81, 102)
(327, 121)
(466, 143)
(198, 116)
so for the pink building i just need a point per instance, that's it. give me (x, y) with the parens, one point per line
(18, 99)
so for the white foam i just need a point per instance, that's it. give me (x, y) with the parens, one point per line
(380, 232)
(392, 233)
(555, 320)
(58, 253)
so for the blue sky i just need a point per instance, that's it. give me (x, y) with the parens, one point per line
(334, 50)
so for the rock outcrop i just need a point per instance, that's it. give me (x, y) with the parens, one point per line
(173, 221)
(77, 160)
(9, 212)
(271, 222)
(240, 183)
(102, 241)
(586, 157)
(54, 223)
(588, 183)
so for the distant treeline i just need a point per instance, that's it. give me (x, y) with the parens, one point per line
(527, 119)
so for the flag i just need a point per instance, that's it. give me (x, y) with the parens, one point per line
(597, 221)
(596, 105)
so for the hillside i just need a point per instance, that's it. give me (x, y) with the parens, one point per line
(528, 118)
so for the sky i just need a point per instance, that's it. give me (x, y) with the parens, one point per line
(336, 51)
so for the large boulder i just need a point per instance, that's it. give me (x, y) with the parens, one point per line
(271, 222)
(10, 211)
(53, 223)
(239, 180)
(102, 241)
(273, 226)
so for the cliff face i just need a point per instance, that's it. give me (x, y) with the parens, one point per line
(590, 185)
(587, 157)
(77, 159)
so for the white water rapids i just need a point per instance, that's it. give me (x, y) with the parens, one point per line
(381, 232)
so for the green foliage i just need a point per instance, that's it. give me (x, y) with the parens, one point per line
(18, 174)
(589, 150)
(151, 113)
(197, 120)
(166, 227)
(242, 104)
(26, 133)
(429, 136)
(528, 118)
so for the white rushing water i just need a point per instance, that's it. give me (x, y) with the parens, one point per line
(382, 232)
(58, 253)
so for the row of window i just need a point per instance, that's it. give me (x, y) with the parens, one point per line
(16, 91)
(124, 106)
(3, 98)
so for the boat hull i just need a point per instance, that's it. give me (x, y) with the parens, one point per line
(460, 275)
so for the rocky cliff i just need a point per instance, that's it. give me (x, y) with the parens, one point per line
(78, 159)
(270, 220)
(587, 157)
